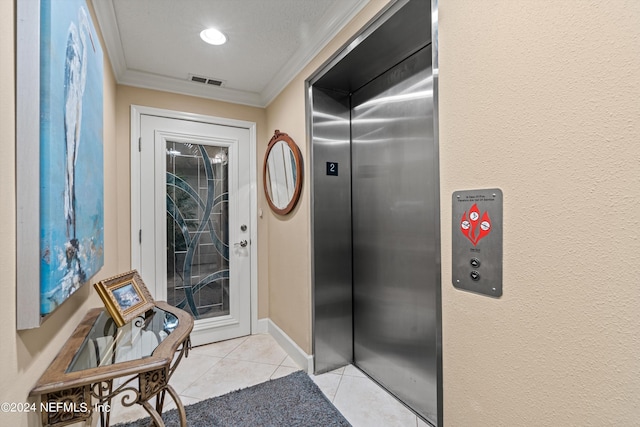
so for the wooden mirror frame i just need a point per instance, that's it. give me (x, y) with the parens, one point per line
(297, 155)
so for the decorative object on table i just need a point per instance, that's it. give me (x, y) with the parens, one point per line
(125, 296)
(60, 182)
(293, 400)
(282, 173)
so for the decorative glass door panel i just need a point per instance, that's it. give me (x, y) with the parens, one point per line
(194, 209)
(198, 228)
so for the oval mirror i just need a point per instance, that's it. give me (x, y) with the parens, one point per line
(282, 173)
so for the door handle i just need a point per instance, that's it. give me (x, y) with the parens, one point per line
(242, 243)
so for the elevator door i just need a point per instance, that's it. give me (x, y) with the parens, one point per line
(395, 211)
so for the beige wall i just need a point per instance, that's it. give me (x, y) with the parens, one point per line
(128, 96)
(541, 99)
(25, 355)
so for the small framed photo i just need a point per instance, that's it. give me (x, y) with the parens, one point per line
(125, 296)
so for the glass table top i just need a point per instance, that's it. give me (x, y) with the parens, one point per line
(106, 344)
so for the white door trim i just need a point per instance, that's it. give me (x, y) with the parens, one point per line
(136, 112)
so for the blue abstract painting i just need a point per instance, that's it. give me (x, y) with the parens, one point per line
(71, 151)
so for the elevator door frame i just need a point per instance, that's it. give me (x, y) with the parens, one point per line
(329, 135)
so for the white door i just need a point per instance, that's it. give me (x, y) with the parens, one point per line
(195, 188)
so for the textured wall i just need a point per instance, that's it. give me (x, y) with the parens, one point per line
(542, 99)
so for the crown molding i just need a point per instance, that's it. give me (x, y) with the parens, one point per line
(106, 16)
(186, 87)
(107, 21)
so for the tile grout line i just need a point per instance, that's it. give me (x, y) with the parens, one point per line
(338, 387)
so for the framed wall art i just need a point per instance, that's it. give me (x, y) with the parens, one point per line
(60, 180)
(125, 296)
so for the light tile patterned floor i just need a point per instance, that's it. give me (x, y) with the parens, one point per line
(220, 368)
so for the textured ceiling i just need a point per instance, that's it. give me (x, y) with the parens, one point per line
(156, 43)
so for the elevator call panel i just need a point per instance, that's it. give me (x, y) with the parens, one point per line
(477, 241)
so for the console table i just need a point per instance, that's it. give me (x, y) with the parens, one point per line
(140, 356)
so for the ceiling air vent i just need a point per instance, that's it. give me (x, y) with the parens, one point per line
(206, 80)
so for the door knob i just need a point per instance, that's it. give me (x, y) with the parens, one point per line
(242, 243)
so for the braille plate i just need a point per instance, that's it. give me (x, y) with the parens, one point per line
(477, 241)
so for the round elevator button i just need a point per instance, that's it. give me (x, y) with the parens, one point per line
(475, 276)
(475, 262)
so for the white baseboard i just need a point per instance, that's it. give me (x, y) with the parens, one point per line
(304, 360)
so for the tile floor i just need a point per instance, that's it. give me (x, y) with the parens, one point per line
(220, 368)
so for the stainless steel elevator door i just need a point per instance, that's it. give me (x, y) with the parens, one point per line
(395, 214)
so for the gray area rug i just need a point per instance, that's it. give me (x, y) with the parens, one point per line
(294, 400)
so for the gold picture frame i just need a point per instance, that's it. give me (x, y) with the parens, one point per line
(125, 296)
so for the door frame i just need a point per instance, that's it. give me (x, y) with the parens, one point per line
(136, 112)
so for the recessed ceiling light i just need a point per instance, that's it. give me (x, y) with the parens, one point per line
(213, 36)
